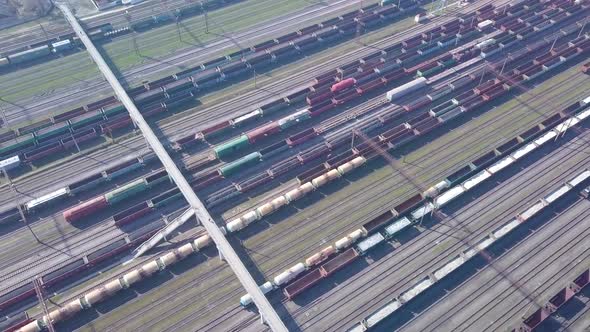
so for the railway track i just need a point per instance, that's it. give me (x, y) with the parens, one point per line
(94, 88)
(186, 58)
(525, 279)
(213, 113)
(34, 34)
(263, 244)
(501, 121)
(157, 37)
(388, 272)
(465, 223)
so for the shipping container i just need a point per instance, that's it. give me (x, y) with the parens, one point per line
(215, 130)
(10, 163)
(311, 173)
(17, 295)
(301, 137)
(116, 122)
(4, 62)
(47, 199)
(274, 149)
(166, 197)
(34, 127)
(87, 119)
(408, 204)
(23, 143)
(157, 177)
(458, 175)
(78, 137)
(253, 182)
(294, 119)
(7, 136)
(297, 96)
(51, 132)
(10, 216)
(14, 322)
(283, 166)
(376, 223)
(122, 169)
(322, 107)
(312, 153)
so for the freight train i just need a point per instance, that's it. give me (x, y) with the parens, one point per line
(76, 265)
(350, 254)
(336, 256)
(322, 264)
(394, 137)
(101, 33)
(206, 75)
(400, 134)
(58, 45)
(68, 130)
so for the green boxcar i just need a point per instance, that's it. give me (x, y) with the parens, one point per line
(29, 54)
(119, 109)
(126, 191)
(430, 71)
(56, 130)
(240, 164)
(468, 34)
(22, 143)
(168, 200)
(232, 146)
(86, 119)
(157, 178)
(449, 63)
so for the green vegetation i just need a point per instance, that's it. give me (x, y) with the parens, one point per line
(152, 44)
(321, 221)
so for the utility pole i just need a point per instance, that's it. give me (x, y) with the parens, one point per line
(44, 32)
(75, 141)
(206, 18)
(40, 297)
(128, 18)
(504, 65)
(553, 45)
(15, 194)
(4, 118)
(254, 77)
(582, 29)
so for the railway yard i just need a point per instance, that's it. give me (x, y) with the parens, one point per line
(375, 165)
